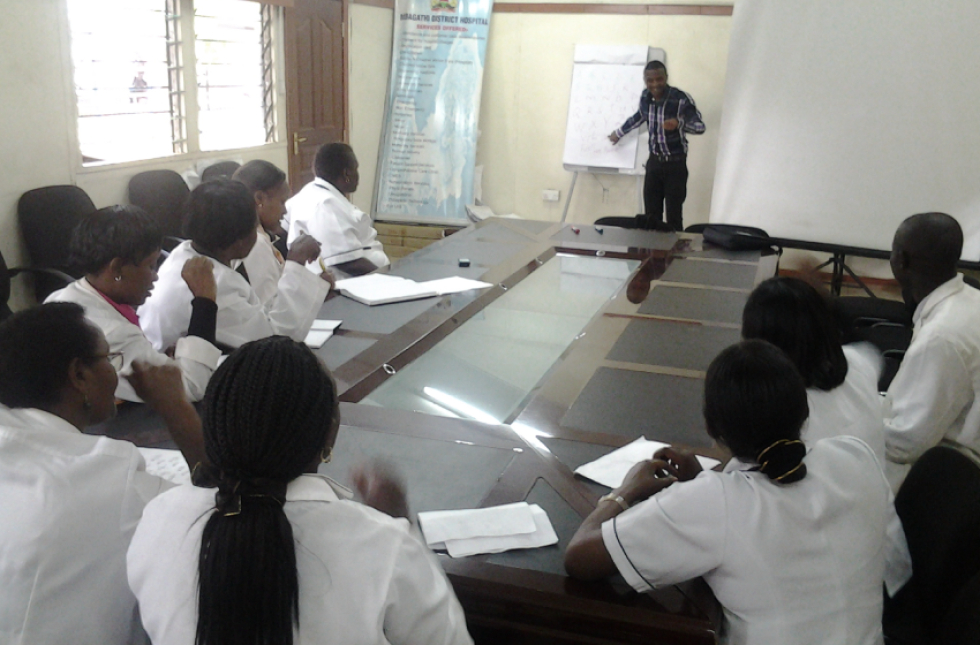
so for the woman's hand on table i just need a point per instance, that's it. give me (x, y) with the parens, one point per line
(681, 464)
(644, 480)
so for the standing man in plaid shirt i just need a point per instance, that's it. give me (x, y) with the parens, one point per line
(670, 114)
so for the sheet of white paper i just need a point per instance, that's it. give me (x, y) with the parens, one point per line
(316, 338)
(610, 470)
(168, 464)
(454, 284)
(369, 279)
(543, 535)
(325, 325)
(495, 521)
(380, 288)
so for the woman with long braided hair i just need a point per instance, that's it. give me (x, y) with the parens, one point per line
(277, 554)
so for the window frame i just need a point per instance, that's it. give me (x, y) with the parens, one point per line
(182, 61)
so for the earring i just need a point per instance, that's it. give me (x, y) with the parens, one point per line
(326, 455)
(118, 278)
(85, 402)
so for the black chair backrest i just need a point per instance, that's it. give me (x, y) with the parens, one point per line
(962, 623)
(47, 217)
(939, 505)
(4, 290)
(162, 194)
(219, 170)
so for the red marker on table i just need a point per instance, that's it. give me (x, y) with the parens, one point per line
(576, 230)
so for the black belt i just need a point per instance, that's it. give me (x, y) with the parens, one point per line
(667, 159)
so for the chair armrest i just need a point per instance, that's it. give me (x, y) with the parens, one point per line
(54, 273)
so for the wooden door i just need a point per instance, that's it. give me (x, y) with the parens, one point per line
(316, 81)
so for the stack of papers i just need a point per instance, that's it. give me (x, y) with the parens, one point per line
(487, 530)
(382, 288)
(610, 470)
(167, 464)
(320, 332)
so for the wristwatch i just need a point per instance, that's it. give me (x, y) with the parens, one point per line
(612, 497)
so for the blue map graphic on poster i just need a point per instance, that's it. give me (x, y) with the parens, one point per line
(432, 114)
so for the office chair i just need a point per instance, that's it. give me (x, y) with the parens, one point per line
(218, 170)
(6, 273)
(162, 194)
(47, 217)
(939, 505)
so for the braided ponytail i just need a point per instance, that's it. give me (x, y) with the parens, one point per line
(267, 414)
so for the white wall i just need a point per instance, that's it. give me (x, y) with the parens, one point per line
(525, 105)
(35, 149)
(370, 62)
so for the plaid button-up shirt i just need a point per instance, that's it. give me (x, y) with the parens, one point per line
(676, 104)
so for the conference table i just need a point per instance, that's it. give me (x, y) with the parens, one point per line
(588, 339)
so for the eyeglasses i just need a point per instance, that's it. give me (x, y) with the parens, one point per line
(115, 359)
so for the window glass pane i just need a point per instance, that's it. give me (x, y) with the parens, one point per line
(119, 51)
(228, 47)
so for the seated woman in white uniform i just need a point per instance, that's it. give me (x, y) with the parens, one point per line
(118, 249)
(220, 221)
(265, 262)
(69, 502)
(792, 542)
(841, 381)
(276, 553)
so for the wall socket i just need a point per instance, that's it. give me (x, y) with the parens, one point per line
(550, 195)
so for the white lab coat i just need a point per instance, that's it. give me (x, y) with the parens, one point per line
(363, 576)
(791, 564)
(344, 231)
(264, 266)
(852, 408)
(241, 316)
(196, 357)
(935, 396)
(69, 506)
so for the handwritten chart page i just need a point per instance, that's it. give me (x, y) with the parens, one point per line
(606, 86)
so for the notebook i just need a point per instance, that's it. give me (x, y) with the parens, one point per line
(381, 288)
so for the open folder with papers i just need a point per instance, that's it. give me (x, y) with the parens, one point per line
(382, 288)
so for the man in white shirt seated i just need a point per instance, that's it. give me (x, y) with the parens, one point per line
(323, 210)
(935, 396)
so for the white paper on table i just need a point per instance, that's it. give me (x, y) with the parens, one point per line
(495, 521)
(325, 325)
(167, 464)
(315, 338)
(543, 535)
(382, 288)
(454, 284)
(610, 470)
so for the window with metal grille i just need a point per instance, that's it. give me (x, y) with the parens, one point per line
(155, 78)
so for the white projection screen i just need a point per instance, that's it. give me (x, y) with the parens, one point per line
(843, 117)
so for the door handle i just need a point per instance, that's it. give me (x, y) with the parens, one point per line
(296, 141)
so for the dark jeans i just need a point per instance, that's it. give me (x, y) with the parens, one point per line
(666, 182)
